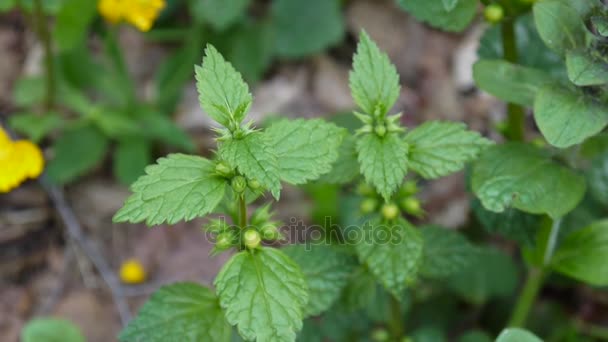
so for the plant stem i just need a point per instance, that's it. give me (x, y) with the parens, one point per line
(515, 113)
(396, 322)
(242, 212)
(49, 69)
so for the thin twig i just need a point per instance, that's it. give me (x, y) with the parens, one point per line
(75, 231)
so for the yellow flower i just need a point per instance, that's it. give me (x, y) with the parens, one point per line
(132, 272)
(139, 13)
(19, 160)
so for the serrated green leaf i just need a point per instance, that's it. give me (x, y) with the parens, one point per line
(510, 82)
(383, 161)
(131, 157)
(77, 151)
(263, 293)
(567, 117)
(491, 274)
(185, 312)
(51, 330)
(437, 148)
(583, 254)
(511, 223)
(449, 4)
(517, 335)
(393, 253)
(434, 13)
(346, 167)
(220, 14)
(255, 157)
(72, 21)
(522, 176)
(35, 126)
(584, 69)
(178, 187)
(559, 25)
(326, 270)
(306, 27)
(598, 178)
(445, 252)
(222, 92)
(305, 149)
(360, 291)
(374, 82)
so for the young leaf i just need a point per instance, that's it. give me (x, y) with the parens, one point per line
(185, 312)
(264, 294)
(305, 149)
(445, 252)
(435, 13)
(437, 149)
(510, 82)
(585, 69)
(77, 151)
(559, 25)
(583, 254)
(346, 167)
(383, 161)
(522, 176)
(393, 253)
(326, 271)
(178, 187)
(306, 27)
(220, 14)
(517, 335)
(51, 330)
(374, 82)
(131, 157)
(71, 24)
(567, 117)
(255, 157)
(35, 126)
(598, 178)
(222, 92)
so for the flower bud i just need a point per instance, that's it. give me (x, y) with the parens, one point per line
(380, 130)
(494, 13)
(411, 205)
(390, 211)
(409, 188)
(223, 169)
(254, 184)
(239, 184)
(224, 241)
(270, 232)
(380, 335)
(368, 206)
(251, 238)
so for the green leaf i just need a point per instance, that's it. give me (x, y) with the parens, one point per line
(445, 252)
(131, 157)
(7, 5)
(326, 270)
(115, 124)
(159, 127)
(255, 157)
(305, 149)
(220, 14)
(360, 291)
(522, 176)
(306, 27)
(567, 117)
(222, 92)
(559, 25)
(51, 330)
(383, 161)
(374, 82)
(178, 187)
(511, 223)
(35, 126)
(252, 49)
(29, 91)
(583, 254)
(393, 253)
(517, 335)
(491, 274)
(598, 178)
(475, 336)
(510, 82)
(449, 4)
(434, 13)
(77, 151)
(185, 312)
(263, 293)
(439, 148)
(346, 167)
(72, 22)
(584, 69)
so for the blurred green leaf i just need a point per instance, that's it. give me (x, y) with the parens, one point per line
(559, 25)
(475, 336)
(434, 13)
(252, 48)
(72, 22)
(220, 14)
(517, 335)
(35, 126)
(131, 157)
(346, 168)
(598, 178)
(51, 330)
(511, 223)
(7, 5)
(445, 252)
(585, 69)
(50, 7)
(428, 333)
(29, 91)
(160, 127)
(113, 123)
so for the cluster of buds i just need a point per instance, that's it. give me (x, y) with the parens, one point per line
(238, 182)
(379, 125)
(405, 200)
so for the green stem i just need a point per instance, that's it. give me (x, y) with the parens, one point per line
(242, 212)
(515, 113)
(115, 54)
(396, 322)
(49, 69)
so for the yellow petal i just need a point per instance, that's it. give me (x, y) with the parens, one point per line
(31, 158)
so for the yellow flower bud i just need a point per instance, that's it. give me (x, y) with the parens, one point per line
(132, 272)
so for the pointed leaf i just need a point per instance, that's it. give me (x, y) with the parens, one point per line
(440, 148)
(131, 157)
(178, 187)
(264, 294)
(185, 312)
(383, 161)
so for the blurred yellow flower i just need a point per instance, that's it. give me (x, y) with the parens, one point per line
(19, 160)
(139, 13)
(132, 272)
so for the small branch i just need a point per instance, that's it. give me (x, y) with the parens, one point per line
(527, 297)
(515, 113)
